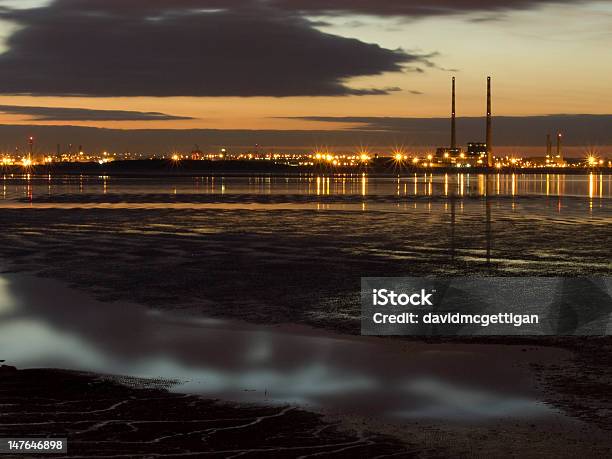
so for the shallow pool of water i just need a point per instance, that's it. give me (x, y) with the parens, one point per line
(44, 323)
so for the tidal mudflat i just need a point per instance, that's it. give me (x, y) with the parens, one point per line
(156, 274)
(123, 417)
(191, 385)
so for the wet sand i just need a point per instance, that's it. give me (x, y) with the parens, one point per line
(120, 417)
(294, 265)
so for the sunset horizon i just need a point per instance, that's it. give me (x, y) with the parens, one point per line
(393, 61)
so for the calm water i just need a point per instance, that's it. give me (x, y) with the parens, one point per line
(56, 327)
(593, 186)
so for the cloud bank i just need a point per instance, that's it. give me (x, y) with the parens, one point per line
(508, 130)
(85, 114)
(207, 47)
(183, 48)
(580, 131)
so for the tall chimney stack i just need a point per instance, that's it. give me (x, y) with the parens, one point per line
(453, 143)
(559, 137)
(489, 127)
(31, 149)
(548, 146)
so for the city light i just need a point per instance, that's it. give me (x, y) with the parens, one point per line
(397, 157)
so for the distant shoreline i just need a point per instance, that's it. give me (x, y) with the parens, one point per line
(188, 168)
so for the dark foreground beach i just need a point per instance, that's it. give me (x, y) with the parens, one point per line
(122, 417)
(268, 254)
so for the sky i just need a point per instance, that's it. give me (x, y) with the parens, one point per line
(300, 64)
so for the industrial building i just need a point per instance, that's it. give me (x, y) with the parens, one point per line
(555, 160)
(477, 153)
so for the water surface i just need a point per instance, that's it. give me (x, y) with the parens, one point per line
(45, 324)
(591, 186)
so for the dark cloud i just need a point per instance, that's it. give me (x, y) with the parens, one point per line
(183, 48)
(487, 18)
(209, 47)
(509, 130)
(579, 130)
(85, 114)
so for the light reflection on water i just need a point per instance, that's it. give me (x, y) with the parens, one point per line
(53, 326)
(592, 186)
